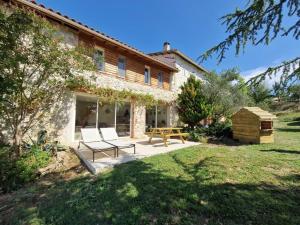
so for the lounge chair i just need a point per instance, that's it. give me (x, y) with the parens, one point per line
(92, 140)
(110, 136)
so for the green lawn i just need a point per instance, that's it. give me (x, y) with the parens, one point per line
(251, 184)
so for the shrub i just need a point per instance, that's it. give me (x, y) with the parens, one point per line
(15, 173)
(217, 129)
(220, 129)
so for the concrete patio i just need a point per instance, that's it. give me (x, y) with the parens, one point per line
(143, 149)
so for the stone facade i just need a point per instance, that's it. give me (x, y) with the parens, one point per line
(60, 121)
(138, 121)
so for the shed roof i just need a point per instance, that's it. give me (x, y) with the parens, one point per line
(262, 114)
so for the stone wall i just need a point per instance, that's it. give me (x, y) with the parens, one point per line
(104, 80)
(138, 118)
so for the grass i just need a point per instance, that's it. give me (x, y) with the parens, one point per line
(250, 184)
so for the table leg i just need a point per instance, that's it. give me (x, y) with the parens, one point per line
(181, 138)
(165, 141)
(151, 136)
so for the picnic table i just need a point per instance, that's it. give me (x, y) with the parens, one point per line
(165, 133)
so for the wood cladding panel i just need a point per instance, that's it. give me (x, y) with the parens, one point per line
(135, 66)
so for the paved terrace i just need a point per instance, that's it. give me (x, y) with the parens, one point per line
(143, 149)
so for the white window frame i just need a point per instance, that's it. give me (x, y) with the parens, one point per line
(149, 75)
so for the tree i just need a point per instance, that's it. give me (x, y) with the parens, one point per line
(34, 64)
(280, 88)
(260, 23)
(192, 105)
(294, 92)
(226, 92)
(260, 95)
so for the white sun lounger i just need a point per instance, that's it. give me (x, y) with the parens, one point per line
(110, 136)
(92, 140)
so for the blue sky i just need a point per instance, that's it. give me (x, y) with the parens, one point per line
(192, 26)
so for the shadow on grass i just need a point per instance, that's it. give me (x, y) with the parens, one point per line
(292, 177)
(296, 123)
(288, 129)
(282, 151)
(178, 193)
(224, 141)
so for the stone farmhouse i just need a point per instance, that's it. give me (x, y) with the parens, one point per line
(123, 67)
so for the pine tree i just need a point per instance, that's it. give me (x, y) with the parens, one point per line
(192, 104)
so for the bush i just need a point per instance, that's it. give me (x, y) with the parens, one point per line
(220, 129)
(15, 173)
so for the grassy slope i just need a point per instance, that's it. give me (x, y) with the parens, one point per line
(254, 184)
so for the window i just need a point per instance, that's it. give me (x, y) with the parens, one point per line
(147, 75)
(99, 59)
(122, 66)
(160, 79)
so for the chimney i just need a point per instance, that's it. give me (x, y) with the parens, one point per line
(167, 46)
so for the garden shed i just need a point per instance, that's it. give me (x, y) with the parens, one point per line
(253, 125)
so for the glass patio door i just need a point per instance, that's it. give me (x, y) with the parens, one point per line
(123, 119)
(86, 114)
(90, 113)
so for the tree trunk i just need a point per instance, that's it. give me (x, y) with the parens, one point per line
(17, 141)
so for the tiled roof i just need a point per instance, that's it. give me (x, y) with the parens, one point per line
(72, 22)
(182, 55)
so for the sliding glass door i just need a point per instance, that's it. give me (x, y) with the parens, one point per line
(123, 119)
(92, 114)
(150, 118)
(156, 117)
(106, 115)
(86, 114)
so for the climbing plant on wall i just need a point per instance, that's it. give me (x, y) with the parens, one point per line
(109, 95)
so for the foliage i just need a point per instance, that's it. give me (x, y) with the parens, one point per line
(226, 92)
(219, 129)
(15, 173)
(192, 104)
(205, 184)
(43, 143)
(34, 63)
(260, 95)
(109, 95)
(280, 88)
(294, 92)
(214, 130)
(260, 23)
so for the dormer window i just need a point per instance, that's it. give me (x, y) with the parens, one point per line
(98, 58)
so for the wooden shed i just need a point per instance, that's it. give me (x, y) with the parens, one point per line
(253, 125)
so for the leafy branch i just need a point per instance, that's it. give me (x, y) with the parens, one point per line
(289, 69)
(260, 23)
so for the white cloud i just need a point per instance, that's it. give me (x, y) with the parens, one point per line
(248, 74)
